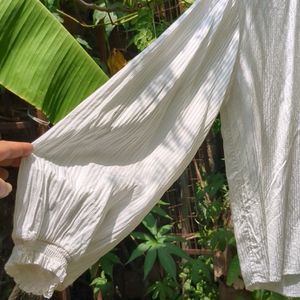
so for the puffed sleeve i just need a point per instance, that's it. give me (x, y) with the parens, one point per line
(93, 177)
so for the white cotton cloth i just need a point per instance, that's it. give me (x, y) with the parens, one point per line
(93, 177)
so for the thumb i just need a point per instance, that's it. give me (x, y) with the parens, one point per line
(5, 188)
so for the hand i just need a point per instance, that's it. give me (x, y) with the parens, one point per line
(11, 154)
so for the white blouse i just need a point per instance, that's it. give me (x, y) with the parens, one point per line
(93, 177)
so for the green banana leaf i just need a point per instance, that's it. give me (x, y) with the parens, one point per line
(41, 62)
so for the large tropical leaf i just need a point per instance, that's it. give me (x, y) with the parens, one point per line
(41, 62)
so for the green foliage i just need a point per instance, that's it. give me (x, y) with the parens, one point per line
(220, 238)
(145, 28)
(83, 42)
(103, 285)
(107, 263)
(107, 19)
(41, 62)
(45, 66)
(197, 280)
(165, 289)
(234, 271)
(160, 212)
(102, 274)
(212, 199)
(157, 245)
(52, 5)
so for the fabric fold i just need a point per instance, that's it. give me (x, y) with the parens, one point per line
(94, 176)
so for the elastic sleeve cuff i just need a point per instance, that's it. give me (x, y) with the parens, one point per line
(37, 267)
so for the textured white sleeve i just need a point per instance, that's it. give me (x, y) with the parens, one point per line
(93, 177)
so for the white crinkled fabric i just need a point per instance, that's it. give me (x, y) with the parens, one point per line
(93, 177)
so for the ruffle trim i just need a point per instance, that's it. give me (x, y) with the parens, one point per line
(37, 267)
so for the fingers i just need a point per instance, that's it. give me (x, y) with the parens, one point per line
(11, 152)
(3, 174)
(11, 162)
(10, 155)
(5, 188)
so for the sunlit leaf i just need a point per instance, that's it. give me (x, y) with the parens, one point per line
(150, 223)
(138, 251)
(83, 42)
(161, 202)
(165, 229)
(41, 62)
(140, 236)
(106, 18)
